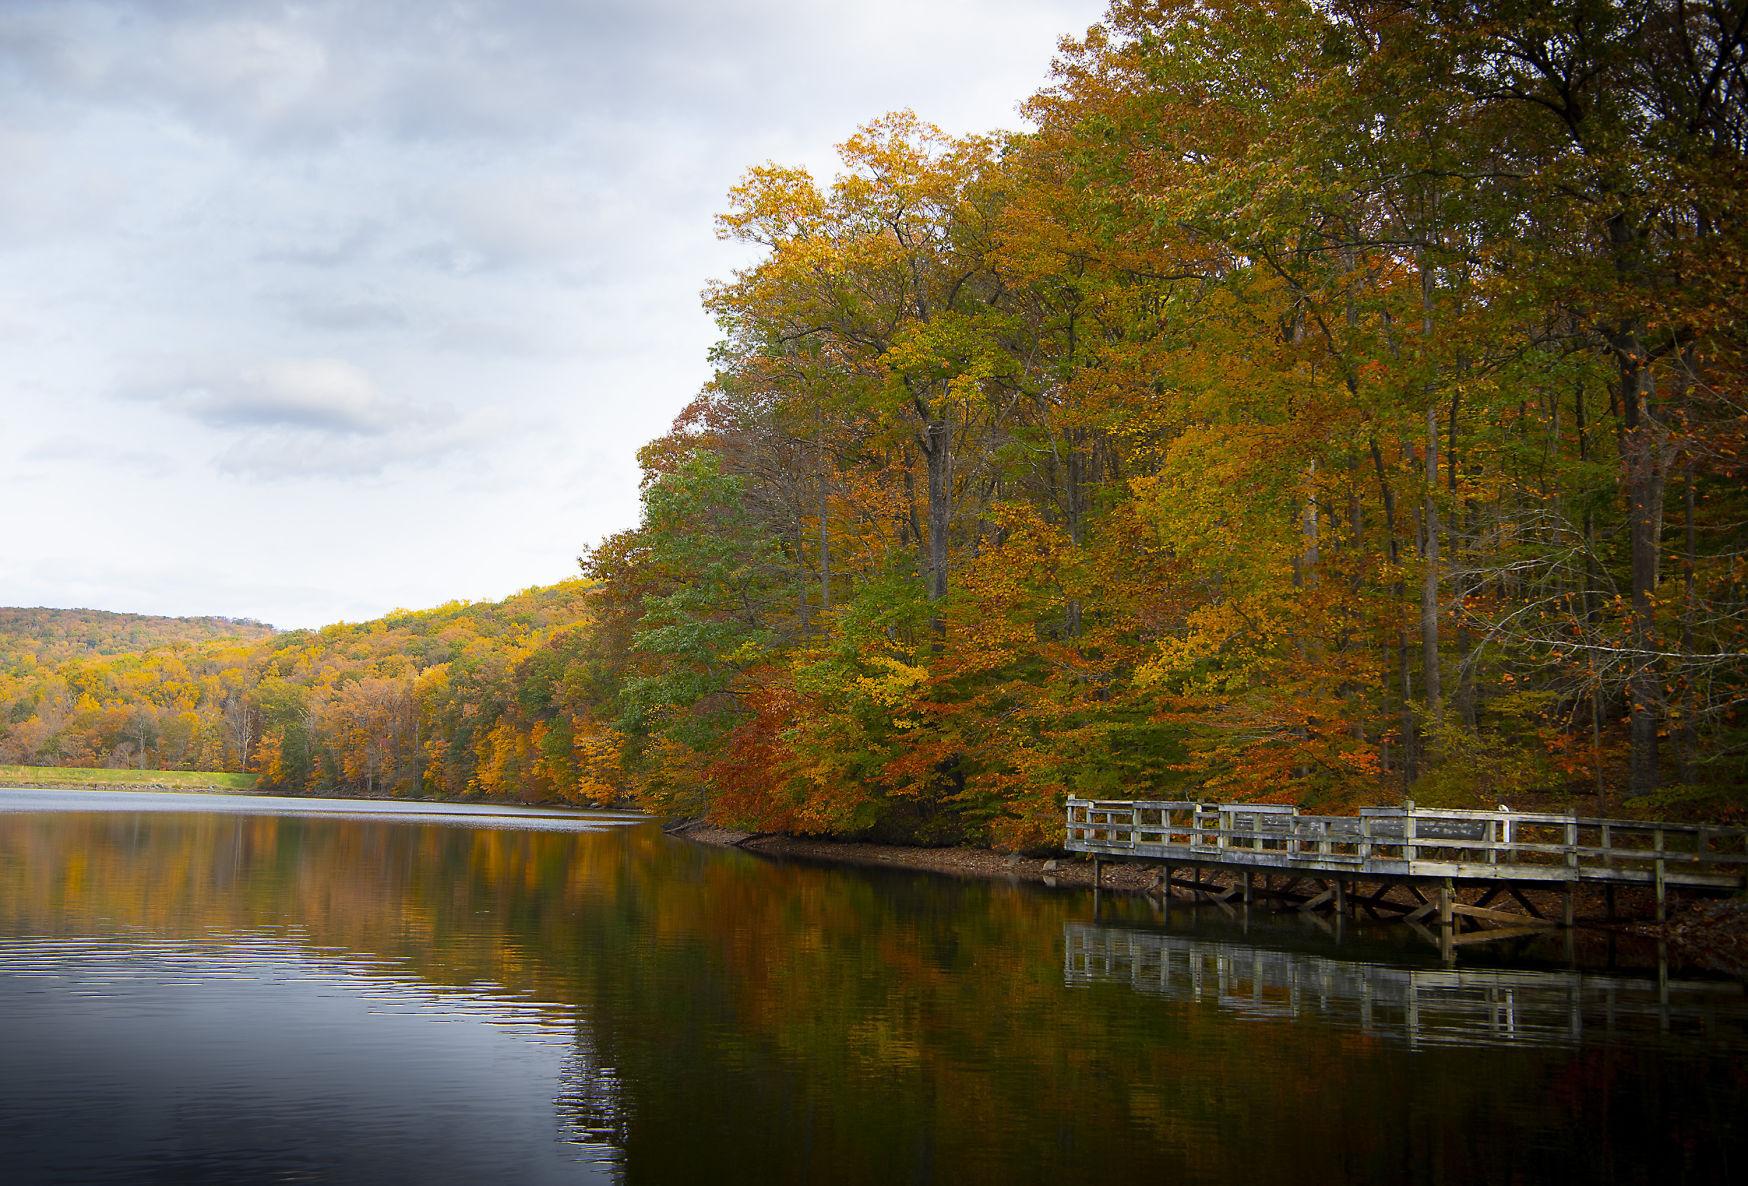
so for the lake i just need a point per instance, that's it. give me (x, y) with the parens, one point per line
(209, 988)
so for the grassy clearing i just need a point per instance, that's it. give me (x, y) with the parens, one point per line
(80, 776)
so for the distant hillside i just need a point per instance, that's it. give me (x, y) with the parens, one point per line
(53, 635)
(495, 697)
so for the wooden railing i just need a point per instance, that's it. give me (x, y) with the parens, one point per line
(1414, 842)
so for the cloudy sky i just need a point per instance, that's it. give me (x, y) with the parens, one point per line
(312, 310)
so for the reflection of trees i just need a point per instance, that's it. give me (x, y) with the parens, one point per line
(748, 1021)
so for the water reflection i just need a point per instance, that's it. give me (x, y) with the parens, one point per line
(1416, 1005)
(216, 996)
(254, 1057)
(494, 816)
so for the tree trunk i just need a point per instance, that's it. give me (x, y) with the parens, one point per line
(938, 449)
(1641, 459)
(1690, 693)
(1076, 508)
(1410, 758)
(825, 548)
(1429, 576)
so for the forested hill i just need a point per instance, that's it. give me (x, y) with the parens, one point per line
(51, 635)
(467, 697)
(1330, 403)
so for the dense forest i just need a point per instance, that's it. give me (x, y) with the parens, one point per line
(1323, 402)
(1326, 402)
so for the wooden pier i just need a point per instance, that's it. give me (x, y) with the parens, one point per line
(1413, 863)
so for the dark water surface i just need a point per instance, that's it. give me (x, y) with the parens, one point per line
(222, 989)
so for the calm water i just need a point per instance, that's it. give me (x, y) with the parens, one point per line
(205, 988)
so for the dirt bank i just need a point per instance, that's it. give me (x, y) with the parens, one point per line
(959, 862)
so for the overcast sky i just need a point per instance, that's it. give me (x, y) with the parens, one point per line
(313, 310)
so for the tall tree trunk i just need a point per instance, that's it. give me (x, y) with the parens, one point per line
(1461, 516)
(1429, 657)
(1642, 461)
(825, 547)
(1643, 464)
(1075, 498)
(938, 449)
(1689, 609)
(1410, 755)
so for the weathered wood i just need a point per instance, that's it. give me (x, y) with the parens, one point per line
(1488, 914)
(1529, 906)
(1503, 851)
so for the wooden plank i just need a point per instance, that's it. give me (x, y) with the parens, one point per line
(1488, 914)
(1495, 934)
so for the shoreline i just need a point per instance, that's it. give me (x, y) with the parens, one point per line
(960, 861)
(1708, 932)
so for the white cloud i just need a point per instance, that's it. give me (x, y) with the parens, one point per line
(322, 395)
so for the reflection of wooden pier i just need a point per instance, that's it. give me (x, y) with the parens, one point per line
(1420, 1005)
(1452, 868)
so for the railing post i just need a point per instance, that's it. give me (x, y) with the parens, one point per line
(1408, 850)
(1365, 839)
(1662, 892)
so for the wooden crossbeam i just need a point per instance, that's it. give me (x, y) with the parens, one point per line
(1524, 902)
(1488, 914)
